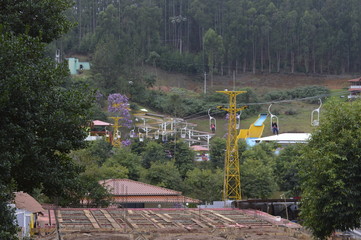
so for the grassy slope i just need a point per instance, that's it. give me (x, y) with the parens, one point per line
(262, 83)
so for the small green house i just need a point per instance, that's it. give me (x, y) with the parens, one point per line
(76, 67)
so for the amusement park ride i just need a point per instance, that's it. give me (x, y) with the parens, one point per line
(155, 126)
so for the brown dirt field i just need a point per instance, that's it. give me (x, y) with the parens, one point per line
(261, 82)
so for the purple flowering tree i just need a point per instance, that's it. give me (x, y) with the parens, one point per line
(118, 104)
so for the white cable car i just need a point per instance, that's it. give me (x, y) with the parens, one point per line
(212, 122)
(274, 121)
(315, 115)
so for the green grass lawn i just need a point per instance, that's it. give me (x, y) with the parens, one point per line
(296, 123)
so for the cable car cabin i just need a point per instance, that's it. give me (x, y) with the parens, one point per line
(355, 88)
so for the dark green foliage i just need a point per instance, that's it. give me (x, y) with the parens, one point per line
(183, 156)
(331, 179)
(7, 228)
(95, 194)
(100, 150)
(217, 152)
(257, 171)
(43, 114)
(164, 175)
(288, 164)
(204, 184)
(83, 191)
(43, 19)
(296, 93)
(153, 152)
(43, 120)
(174, 61)
(256, 36)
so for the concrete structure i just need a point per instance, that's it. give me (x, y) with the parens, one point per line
(162, 224)
(286, 138)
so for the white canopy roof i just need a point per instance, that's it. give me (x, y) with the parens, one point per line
(286, 138)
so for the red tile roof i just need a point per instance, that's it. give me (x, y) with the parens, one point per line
(199, 148)
(354, 89)
(355, 80)
(155, 199)
(101, 123)
(127, 187)
(126, 190)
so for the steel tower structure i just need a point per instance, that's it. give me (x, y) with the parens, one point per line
(232, 180)
(116, 141)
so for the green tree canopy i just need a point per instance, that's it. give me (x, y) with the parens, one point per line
(153, 152)
(287, 169)
(204, 184)
(217, 152)
(163, 174)
(331, 173)
(44, 19)
(41, 119)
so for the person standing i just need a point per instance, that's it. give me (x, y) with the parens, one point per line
(274, 128)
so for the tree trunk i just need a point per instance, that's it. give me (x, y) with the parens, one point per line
(244, 64)
(262, 57)
(292, 62)
(313, 59)
(269, 54)
(278, 61)
(165, 22)
(79, 21)
(254, 56)
(236, 65)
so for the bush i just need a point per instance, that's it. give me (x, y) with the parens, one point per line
(296, 93)
(290, 112)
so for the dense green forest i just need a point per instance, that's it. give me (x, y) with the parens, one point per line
(219, 36)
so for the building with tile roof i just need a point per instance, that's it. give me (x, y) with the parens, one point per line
(355, 88)
(132, 194)
(25, 201)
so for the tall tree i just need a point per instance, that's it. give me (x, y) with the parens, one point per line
(213, 45)
(204, 184)
(42, 119)
(331, 179)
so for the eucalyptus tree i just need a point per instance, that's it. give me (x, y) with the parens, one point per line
(214, 48)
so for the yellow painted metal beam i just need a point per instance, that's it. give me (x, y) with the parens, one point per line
(232, 180)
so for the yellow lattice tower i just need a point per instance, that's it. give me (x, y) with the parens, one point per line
(116, 142)
(232, 179)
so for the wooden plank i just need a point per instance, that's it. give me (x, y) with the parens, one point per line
(91, 218)
(221, 216)
(110, 219)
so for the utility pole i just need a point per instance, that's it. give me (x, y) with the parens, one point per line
(232, 178)
(234, 80)
(205, 83)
